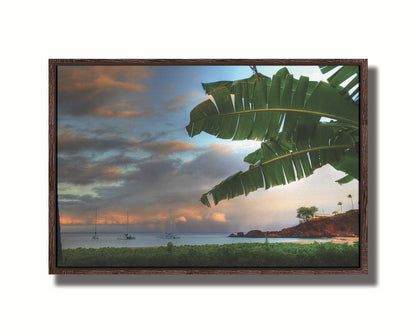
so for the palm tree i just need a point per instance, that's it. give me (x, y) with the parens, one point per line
(340, 204)
(285, 114)
(352, 204)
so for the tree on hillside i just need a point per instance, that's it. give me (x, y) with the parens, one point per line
(352, 204)
(305, 214)
(290, 117)
(340, 204)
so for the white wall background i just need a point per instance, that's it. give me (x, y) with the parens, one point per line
(33, 31)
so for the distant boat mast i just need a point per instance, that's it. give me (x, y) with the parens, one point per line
(127, 236)
(169, 234)
(95, 228)
(96, 217)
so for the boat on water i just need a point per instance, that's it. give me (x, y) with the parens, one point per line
(126, 236)
(95, 228)
(169, 235)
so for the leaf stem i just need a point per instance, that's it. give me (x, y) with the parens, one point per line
(301, 152)
(331, 116)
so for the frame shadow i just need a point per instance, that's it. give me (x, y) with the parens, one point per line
(190, 280)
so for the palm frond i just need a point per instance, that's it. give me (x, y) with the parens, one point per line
(279, 163)
(260, 108)
(344, 78)
(287, 115)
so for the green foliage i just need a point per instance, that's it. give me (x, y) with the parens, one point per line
(284, 113)
(342, 74)
(306, 213)
(352, 203)
(325, 254)
(169, 247)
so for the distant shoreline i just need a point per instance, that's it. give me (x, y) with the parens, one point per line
(338, 240)
(338, 226)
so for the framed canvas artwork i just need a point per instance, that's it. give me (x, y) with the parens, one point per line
(208, 166)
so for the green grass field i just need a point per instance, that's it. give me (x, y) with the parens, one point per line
(325, 254)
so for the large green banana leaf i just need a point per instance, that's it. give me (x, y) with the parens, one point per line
(260, 108)
(280, 163)
(285, 113)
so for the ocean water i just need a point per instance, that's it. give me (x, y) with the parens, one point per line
(73, 240)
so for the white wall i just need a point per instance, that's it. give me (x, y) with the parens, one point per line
(33, 31)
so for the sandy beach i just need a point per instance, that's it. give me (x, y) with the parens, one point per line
(340, 240)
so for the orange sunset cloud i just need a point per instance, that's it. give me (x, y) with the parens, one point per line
(119, 114)
(168, 146)
(102, 78)
(219, 217)
(65, 219)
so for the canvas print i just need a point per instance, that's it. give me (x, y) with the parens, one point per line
(222, 166)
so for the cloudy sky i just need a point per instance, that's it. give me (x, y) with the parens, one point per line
(123, 147)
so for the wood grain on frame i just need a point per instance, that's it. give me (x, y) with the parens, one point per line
(363, 186)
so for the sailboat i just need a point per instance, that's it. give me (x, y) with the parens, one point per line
(169, 235)
(95, 228)
(127, 236)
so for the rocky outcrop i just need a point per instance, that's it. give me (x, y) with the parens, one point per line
(342, 225)
(239, 234)
(255, 234)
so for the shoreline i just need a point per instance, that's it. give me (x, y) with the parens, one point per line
(338, 240)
